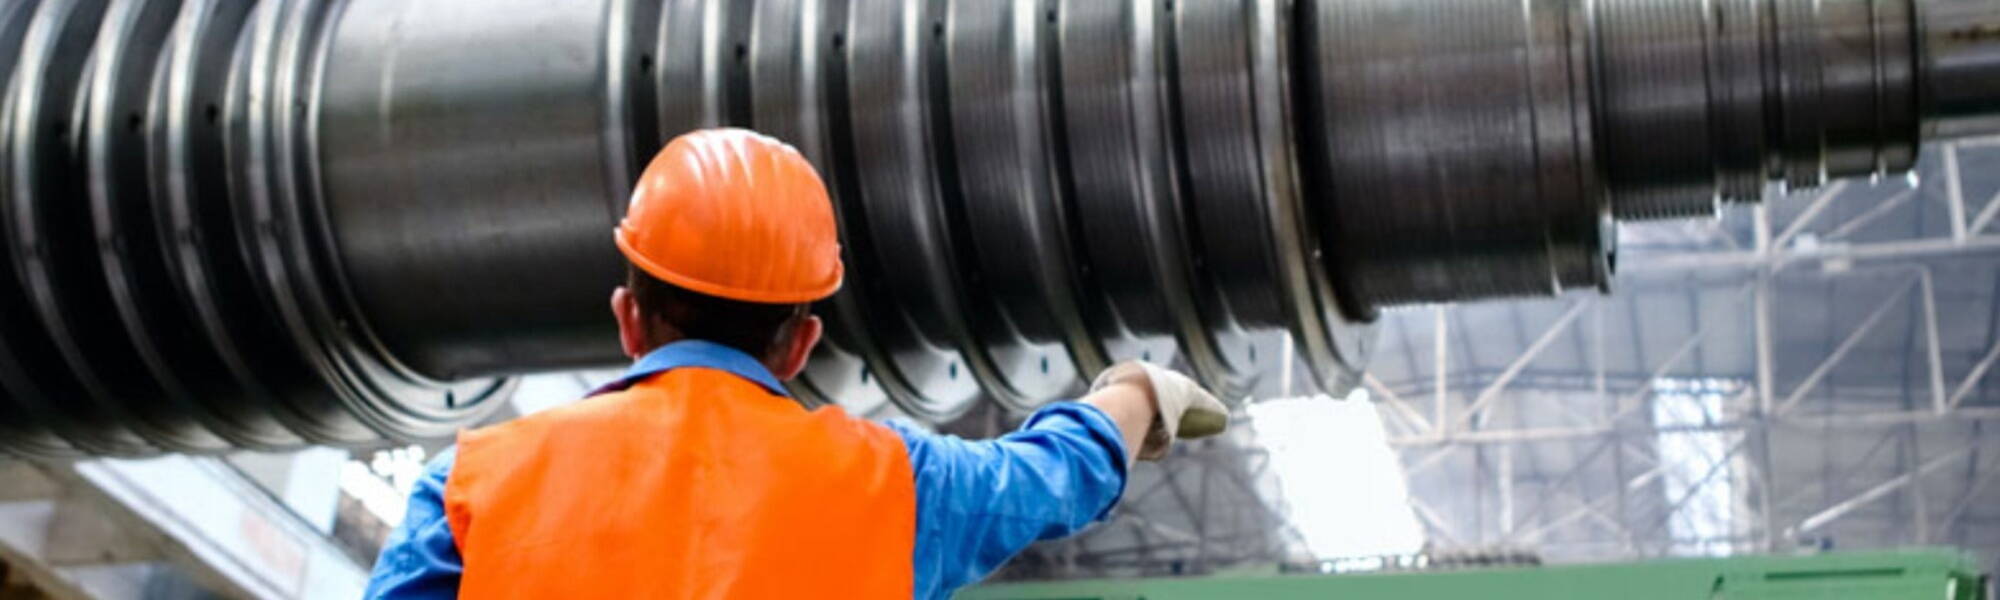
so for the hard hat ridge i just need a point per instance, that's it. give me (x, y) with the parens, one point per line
(734, 214)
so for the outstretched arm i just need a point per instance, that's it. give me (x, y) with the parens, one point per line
(981, 502)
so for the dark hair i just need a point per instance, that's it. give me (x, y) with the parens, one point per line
(748, 326)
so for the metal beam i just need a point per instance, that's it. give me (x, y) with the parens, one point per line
(1427, 462)
(1972, 379)
(1954, 191)
(1811, 212)
(1562, 483)
(1852, 472)
(1687, 347)
(1874, 213)
(1831, 420)
(1885, 488)
(1767, 387)
(1847, 345)
(1579, 382)
(1589, 508)
(1694, 261)
(1640, 480)
(1931, 342)
(1985, 217)
(1441, 345)
(1760, 229)
(1535, 535)
(1874, 419)
(1492, 391)
(1965, 502)
(1597, 359)
(1396, 403)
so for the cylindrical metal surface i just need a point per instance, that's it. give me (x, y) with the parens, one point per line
(1654, 87)
(1000, 72)
(129, 245)
(28, 374)
(1118, 153)
(53, 251)
(468, 160)
(281, 400)
(1453, 155)
(265, 223)
(1961, 67)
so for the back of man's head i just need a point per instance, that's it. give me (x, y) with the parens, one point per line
(754, 328)
(730, 235)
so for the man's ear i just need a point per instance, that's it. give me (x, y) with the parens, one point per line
(790, 360)
(631, 326)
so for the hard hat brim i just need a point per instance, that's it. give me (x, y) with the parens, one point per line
(663, 273)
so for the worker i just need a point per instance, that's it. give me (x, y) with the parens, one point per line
(697, 476)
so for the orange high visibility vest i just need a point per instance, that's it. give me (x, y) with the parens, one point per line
(693, 483)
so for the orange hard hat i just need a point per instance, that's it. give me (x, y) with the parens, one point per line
(734, 214)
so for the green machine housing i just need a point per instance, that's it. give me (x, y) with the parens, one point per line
(1927, 574)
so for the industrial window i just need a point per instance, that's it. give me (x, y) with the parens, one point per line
(1343, 487)
(1699, 467)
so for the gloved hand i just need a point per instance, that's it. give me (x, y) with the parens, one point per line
(1185, 410)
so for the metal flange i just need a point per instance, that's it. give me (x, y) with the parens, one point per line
(130, 248)
(703, 49)
(892, 76)
(25, 420)
(1001, 81)
(203, 256)
(1133, 213)
(1245, 205)
(796, 67)
(274, 118)
(53, 251)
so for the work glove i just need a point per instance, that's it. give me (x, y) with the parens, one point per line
(1185, 410)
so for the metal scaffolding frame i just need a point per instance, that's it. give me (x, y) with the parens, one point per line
(1516, 455)
(1764, 407)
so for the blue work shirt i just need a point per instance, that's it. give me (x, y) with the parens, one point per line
(978, 502)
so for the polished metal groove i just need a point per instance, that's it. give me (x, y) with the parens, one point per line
(263, 224)
(1452, 157)
(200, 240)
(153, 313)
(54, 250)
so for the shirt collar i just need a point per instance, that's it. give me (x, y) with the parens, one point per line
(697, 353)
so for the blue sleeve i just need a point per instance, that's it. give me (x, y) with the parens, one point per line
(981, 502)
(421, 560)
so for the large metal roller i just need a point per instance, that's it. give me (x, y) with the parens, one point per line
(239, 224)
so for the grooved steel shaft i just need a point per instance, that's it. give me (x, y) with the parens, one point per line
(237, 223)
